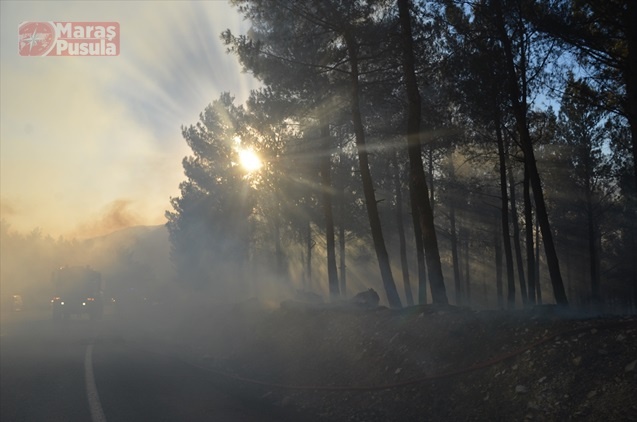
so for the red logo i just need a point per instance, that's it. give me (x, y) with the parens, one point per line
(36, 38)
(68, 38)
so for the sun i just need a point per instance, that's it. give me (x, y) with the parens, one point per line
(249, 160)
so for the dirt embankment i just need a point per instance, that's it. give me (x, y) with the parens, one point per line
(425, 363)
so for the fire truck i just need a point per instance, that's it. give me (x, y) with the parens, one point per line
(76, 291)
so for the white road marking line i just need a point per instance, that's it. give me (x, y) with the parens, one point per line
(94, 404)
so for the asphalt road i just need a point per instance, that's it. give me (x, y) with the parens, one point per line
(80, 370)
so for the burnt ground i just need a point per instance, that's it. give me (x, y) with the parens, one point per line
(424, 363)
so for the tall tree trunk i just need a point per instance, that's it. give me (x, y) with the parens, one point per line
(591, 225)
(309, 246)
(592, 250)
(420, 248)
(401, 233)
(538, 287)
(516, 238)
(341, 228)
(504, 212)
(519, 111)
(326, 182)
(569, 267)
(418, 185)
(454, 253)
(467, 264)
(630, 75)
(453, 232)
(497, 245)
(430, 168)
(420, 255)
(366, 178)
(528, 225)
(341, 241)
(278, 248)
(633, 246)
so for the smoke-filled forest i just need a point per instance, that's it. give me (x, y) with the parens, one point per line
(478, 153)
(473, 153)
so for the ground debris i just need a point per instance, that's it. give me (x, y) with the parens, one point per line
(403, 352)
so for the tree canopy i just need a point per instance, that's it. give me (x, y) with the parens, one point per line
(437, 137)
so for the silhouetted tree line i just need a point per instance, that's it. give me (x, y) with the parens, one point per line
(489, 142)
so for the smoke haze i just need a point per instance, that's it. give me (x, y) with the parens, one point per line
(94, 144)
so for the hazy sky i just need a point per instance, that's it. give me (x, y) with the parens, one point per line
(93, 144)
